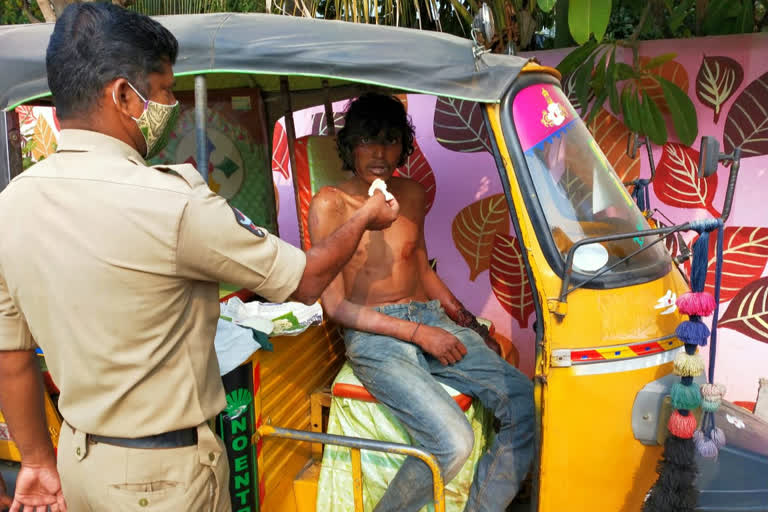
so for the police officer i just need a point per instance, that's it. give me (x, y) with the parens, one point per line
(111, 267)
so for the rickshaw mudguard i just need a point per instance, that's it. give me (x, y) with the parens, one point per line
(591, 363)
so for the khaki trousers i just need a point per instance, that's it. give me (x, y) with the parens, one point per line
(99, 477)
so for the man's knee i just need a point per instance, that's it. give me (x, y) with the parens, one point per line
(458, 443)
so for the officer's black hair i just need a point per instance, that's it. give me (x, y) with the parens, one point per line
(370, 115)
(95, 43)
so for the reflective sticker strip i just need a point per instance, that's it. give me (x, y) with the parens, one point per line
(593, 355)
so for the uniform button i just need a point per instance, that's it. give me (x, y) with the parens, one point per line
(259, 233)
(211, 456)
(143, 502)
(77, 452)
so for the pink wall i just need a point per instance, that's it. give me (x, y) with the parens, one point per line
(467, 187)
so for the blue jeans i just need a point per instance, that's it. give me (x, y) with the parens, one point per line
(406, 379)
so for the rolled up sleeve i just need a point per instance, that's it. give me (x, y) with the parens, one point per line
(217, 242)
(14, 332)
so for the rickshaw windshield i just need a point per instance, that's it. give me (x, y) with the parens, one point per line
(579, 193)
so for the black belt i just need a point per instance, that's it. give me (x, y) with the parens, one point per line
(174, 439)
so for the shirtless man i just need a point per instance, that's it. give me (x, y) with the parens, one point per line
(399, 338)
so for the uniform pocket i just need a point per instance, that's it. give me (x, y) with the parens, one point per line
(165, 496)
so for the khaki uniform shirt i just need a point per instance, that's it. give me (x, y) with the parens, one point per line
(111, 267)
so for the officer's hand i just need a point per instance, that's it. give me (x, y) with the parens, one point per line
(441, 344)
(38, 487)
(5, 500)
(381, 213)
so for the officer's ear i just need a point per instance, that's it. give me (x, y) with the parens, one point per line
(125, 99)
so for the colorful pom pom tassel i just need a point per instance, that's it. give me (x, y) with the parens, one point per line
(693, 332)
(705, 446)
(711, 391)
(696, 303)
(718, 436)
(685, 397)
(710, 404)
(682, 426)
(688, 365)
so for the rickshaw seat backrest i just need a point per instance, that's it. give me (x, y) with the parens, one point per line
(317, 165)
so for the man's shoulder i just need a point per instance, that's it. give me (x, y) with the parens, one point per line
(184, 177)
(331, 200)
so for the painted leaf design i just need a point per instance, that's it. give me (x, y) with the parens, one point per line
(280, 156)
(611, 135)
(320, 123)
(26, 114)
(569, 88)
(717, 81)
(677, 183)
(459, 126)
(748, 311)
(670, 70)
(304, 189)
(475, 228)
(745, 254)
(56, 120)
(417, 168)
(509, 280)
(746, 126)
(45, 140)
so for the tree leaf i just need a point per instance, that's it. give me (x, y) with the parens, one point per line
(624, 71)
(718, 79)
(582, 79)
(576, 58)
(45, 140)
(418, 169)
(745, 254)
(677, 182)
(509, 280)
(587, 17)
(611, 135)
(546, 5)
(746, 19)
(474, 230)
(670, 70)
(280, 157)
(746, 126)
(653, 122)
(748, 311)
(629, 110)
(569, 88)
(613, 92)
(459, 126)
(682, 110)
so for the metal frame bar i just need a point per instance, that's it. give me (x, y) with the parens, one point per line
(201, 128)
(356, 444)
(565, 290)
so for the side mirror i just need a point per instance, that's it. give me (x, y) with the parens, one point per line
(709, 156)
(484, 25)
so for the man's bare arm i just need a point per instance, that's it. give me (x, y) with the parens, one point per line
(327, 257)
(363, 318)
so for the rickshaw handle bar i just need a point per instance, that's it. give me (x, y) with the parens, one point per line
(564, 289)
(357, 444)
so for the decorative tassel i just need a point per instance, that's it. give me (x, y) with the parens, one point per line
(688, 365)
(704, 445)
(685, 397)
(674, 490)
(710, 391)
(693, 332)
(696, 303)
(682, 426)
(709, 404)
(718, 436)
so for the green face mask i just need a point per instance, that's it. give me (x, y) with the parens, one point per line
(156, 123)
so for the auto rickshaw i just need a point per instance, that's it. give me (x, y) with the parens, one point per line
(603, 363)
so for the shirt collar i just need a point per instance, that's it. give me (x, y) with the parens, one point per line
(86, 140)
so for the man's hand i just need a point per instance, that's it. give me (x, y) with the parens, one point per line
(5, 500)
(38, 487)
(441, 344)
(381, 213)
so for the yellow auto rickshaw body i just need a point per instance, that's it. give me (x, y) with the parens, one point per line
(598, 343)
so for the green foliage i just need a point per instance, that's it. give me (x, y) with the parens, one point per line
(728, 17)
(12, 13)
(587, 18)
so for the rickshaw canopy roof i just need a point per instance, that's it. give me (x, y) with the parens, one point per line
(271, 45)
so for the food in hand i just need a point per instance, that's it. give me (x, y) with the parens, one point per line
(379, 184)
